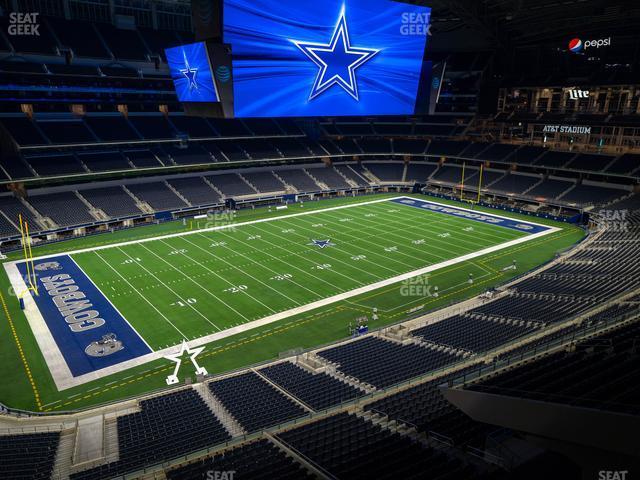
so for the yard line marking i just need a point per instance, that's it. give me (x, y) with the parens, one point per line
(448, 220)
(360, 248)
(141, 295)
(262, 220)
(382, 234)
(348, 294)
(290, 264)
(380, 254)
(344, 231)
(328, 255)
(224, 279)
(289, 242)
(188, 277)
(411, 247)
(385, 232)
(23, 358)
(437, 241)
(502, 253)
(110, 302)
(256, 263)
(441, 223)
(408, 226)
(210, 229)
(363, 239)
(245, 327)
(168, 287)
(451, 219)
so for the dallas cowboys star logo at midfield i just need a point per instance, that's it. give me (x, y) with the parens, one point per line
(337, 60)
(189, 72)
(322, 243)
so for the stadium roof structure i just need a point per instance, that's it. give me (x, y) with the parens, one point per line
(523, 22)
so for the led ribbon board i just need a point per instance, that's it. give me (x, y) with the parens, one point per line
(191, 73)
(329, 58)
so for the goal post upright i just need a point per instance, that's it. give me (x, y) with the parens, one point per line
(28, 256)
(480, 183)
(462, 182)
(34, 282)
(24, 246)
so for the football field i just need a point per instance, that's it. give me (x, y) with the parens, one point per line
(205, 285)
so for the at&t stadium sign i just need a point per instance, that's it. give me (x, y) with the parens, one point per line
(571, 129)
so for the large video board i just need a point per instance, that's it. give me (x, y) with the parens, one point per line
(326, 58)
(191, 73)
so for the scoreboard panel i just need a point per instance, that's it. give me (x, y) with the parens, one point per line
(331, 58)
(191, 73)
(303, 58)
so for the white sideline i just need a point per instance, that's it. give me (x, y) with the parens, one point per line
(271, 219)
(62, 375)
(48, 346)
(213, 229)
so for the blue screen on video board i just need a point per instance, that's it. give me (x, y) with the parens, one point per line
(326, 57)
(191, 73)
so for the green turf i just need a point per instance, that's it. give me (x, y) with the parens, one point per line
(189, 286)
(203, 273)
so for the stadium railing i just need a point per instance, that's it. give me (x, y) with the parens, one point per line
(368, 398)
(465, 364)
(558, 203)
(409, 318)
(267, 159)
(260, 200)
(538, 349)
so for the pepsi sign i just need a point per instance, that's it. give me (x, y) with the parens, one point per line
(576, 45)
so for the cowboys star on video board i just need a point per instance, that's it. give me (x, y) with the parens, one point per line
(326, 58)
(191, 73)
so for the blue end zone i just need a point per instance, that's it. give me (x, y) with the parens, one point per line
(513, 224)
(78, 315)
